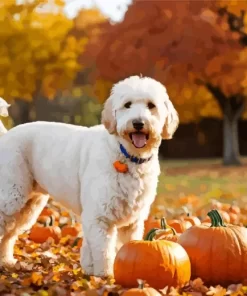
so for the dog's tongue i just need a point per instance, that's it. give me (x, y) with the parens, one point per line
(139, 140)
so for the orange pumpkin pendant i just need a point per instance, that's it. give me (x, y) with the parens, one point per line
(120, 167)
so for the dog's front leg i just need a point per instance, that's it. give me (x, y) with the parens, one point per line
(86, 257)
(101, 238)
(131, 232)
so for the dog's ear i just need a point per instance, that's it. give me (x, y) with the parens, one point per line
(171, 123)
(108, 117)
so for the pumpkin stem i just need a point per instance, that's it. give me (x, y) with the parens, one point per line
(165, 226)
(216, 219)
(212, 218)
(186, 211)
(51, 222)
(163, 223)
(140, 284)
(220, 219)
(151, 234)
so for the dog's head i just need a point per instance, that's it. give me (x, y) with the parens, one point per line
(140, 113)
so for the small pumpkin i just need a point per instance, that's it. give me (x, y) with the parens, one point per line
(218, 252)
(225, 207)
(77, 242)
(164, 232)
(234, 209)
(192, 219)
(50, 212)
(186, 216)
(72, 230)
(44, 220)
(40, 234)
(234, 218)
(156, 262)
(150, 223)
(180, 225)
(141, 291)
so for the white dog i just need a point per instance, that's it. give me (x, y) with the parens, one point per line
(75, 165)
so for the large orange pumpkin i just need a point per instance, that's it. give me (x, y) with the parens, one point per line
(164, 232)
(160, 263)
(141, 291)
(218, 252)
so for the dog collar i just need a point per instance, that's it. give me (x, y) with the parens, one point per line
(133, 158)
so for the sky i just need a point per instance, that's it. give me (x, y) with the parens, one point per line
(114, 9)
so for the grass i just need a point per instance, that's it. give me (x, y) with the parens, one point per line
(196, 182)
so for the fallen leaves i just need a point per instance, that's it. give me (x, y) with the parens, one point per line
(49, 268)
(54, 269)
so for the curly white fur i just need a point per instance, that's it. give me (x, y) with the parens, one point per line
(75, 165)
(3, 112)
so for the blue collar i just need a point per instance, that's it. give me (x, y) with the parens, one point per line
(133, 158)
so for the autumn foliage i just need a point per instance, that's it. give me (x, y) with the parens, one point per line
(51, 267)
(196, 48)
(36, 53)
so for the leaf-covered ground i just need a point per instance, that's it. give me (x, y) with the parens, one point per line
(196, 183)
(54, 268)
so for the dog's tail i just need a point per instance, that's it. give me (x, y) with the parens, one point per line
(3, 112)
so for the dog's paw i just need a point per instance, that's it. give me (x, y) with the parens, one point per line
(103, 273)
(88, 270)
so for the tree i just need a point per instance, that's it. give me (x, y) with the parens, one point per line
(204, 43)
(93, 25)
(37, 55)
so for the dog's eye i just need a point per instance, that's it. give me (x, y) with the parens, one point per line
(151, 105)
(127, 105)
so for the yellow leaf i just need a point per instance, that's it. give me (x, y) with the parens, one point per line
(14, 275)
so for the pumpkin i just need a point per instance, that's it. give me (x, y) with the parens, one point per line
(151, 223)
(186, 216)
(141, 291)
(218, 252)
(45, 220)
(76, 242)
(164, 232)
(192, 219)
(180, 225)
(40, 234)
(223, 214)
(234, 209)
(160, 263)
(225, 207)
(72, 230)
(50, 212)
(234, 218)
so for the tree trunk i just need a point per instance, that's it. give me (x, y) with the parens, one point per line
(20, 112)
(231, 154)
(233, 109)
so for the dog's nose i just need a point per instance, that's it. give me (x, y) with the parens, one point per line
(138, 124)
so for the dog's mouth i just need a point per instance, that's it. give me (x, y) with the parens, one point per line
(139, 139)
